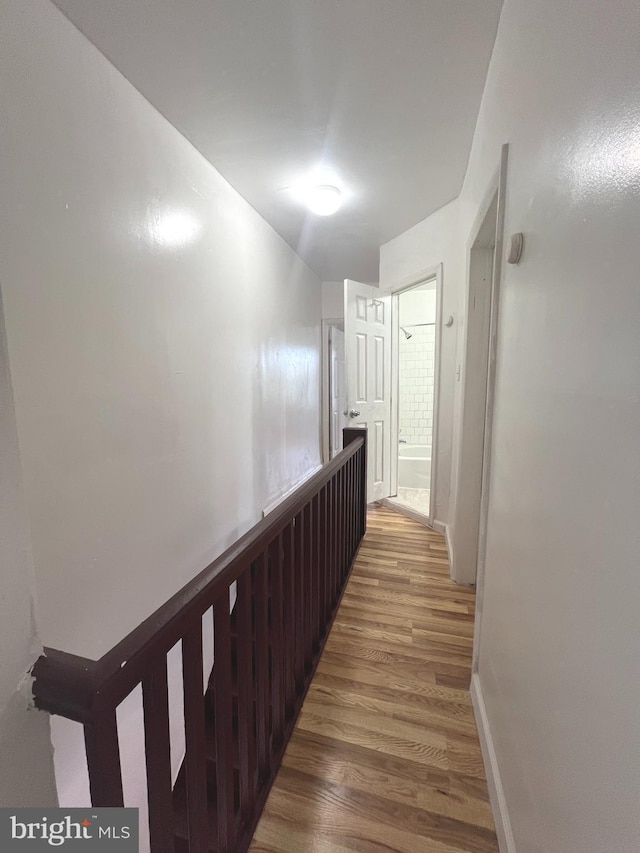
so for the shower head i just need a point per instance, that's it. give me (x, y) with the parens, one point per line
(406, 334)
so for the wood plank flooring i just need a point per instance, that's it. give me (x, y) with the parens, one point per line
(385, 755)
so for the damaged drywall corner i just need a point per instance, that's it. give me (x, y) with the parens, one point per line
(27, 777)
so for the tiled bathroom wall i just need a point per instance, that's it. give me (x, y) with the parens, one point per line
(416, 368)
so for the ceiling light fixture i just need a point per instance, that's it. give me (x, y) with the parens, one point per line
(323, 199)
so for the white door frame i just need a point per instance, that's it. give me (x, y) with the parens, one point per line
(425, 275)
(474, 388)
(490, 401)
(325, 401)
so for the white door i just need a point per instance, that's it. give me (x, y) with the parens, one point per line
(337, 388)
(367, 313)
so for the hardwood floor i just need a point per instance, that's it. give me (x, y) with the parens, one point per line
(385, 755)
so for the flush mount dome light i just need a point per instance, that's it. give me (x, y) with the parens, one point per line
(324, 199)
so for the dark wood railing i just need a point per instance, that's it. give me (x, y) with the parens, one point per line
(290, 571)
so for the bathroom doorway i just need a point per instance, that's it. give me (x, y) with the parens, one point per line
(414, 409)
(334, 390)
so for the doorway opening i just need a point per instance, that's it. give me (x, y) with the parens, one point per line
(334, 392)
(475, 377)
(486, 249)
(414, 398)
(485, 272)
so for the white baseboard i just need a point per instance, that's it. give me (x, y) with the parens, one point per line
(445, 529)
(506, 843)
(449, 541)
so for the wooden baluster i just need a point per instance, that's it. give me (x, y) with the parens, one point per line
(315, 574)
(359, 497)
(289, 593)
(354, 512)
(363, 489)
(103, 759)
(262, 665)
(322, 571)
(347, 506)
(356, 495)
(329, 526)
(347, 515)
(223, 698)
(308, 586)
(246, 697)
(157, 749)
(277, 642)
(319, 620)
(299, 602)
(324, 565)
(341, 529)
(334, 544)
(354, 509)
(311, 563)
(354, 504)
(195, 738)
(329, 548)
(347, 519)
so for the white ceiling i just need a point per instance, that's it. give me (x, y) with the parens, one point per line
(384, 94)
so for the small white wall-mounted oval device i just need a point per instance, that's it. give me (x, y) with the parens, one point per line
(449, 321)
(515, 248)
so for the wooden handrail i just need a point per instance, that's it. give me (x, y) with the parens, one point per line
(120, 668)
(290, 570)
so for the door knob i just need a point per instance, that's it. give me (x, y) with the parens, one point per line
(354, 413)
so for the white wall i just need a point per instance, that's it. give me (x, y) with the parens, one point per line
(559, 644)
(417, 305)
(404, 261)
(163, 340)
(332, 300)
(166, 382)
(26, 765)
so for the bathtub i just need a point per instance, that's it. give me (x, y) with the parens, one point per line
(414, 466)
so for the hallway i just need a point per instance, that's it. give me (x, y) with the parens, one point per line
(385, 755)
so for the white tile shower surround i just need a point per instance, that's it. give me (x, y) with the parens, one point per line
(416, 380)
